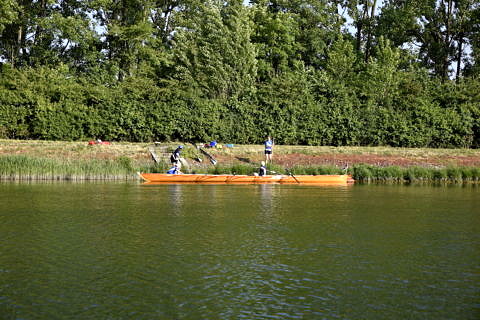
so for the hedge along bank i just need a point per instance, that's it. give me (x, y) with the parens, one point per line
(52, 104)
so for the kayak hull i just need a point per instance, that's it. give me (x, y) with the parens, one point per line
(210, 178)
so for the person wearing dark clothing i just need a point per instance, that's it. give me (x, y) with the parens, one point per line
(175, 157)
(263, 170)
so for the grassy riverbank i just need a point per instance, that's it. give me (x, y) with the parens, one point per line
(58, 160)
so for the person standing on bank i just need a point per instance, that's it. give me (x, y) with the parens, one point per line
(175, 157)
(269, 149)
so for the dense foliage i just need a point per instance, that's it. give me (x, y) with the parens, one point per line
(337, 72)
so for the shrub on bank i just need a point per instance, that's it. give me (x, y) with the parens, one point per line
(51, 104)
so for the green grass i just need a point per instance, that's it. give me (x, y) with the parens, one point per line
(42, 148)
(62, 160)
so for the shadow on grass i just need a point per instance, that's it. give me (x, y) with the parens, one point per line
(246, 160)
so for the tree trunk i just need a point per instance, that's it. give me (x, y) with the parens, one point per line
(16, 51)
(369, 36)
(38, 29)
(359, 35)
(459, 57)
(447, 41)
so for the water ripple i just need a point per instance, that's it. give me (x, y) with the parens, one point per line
(236, 252)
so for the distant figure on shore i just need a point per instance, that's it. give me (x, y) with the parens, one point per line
(263, 170)
(268, 149)
(174, 170)
(175, 157)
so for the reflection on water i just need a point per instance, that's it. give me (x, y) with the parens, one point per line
(268, 199)
(101, 251)
(176, 198)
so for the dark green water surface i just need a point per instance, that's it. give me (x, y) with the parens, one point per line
(132, 251)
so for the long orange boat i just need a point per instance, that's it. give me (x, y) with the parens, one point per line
(226, 178)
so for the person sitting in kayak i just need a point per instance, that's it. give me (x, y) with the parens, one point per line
(263, 170)
(174, 170)
(175, 157)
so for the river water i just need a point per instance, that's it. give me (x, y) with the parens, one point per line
(135, 251)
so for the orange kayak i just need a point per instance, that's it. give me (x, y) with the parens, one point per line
(211, 178)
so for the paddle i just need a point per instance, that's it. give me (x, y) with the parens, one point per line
(209, 156)
(291, 174)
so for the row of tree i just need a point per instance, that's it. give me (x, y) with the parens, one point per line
(332, 72)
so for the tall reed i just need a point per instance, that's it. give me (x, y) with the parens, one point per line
(15, 167)
(456, 174)
(20, 167)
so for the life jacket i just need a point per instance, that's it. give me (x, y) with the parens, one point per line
(262, 171)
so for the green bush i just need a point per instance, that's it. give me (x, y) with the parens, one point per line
(454, 174)
(440, 174)
(392, 173)
(362, 172)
